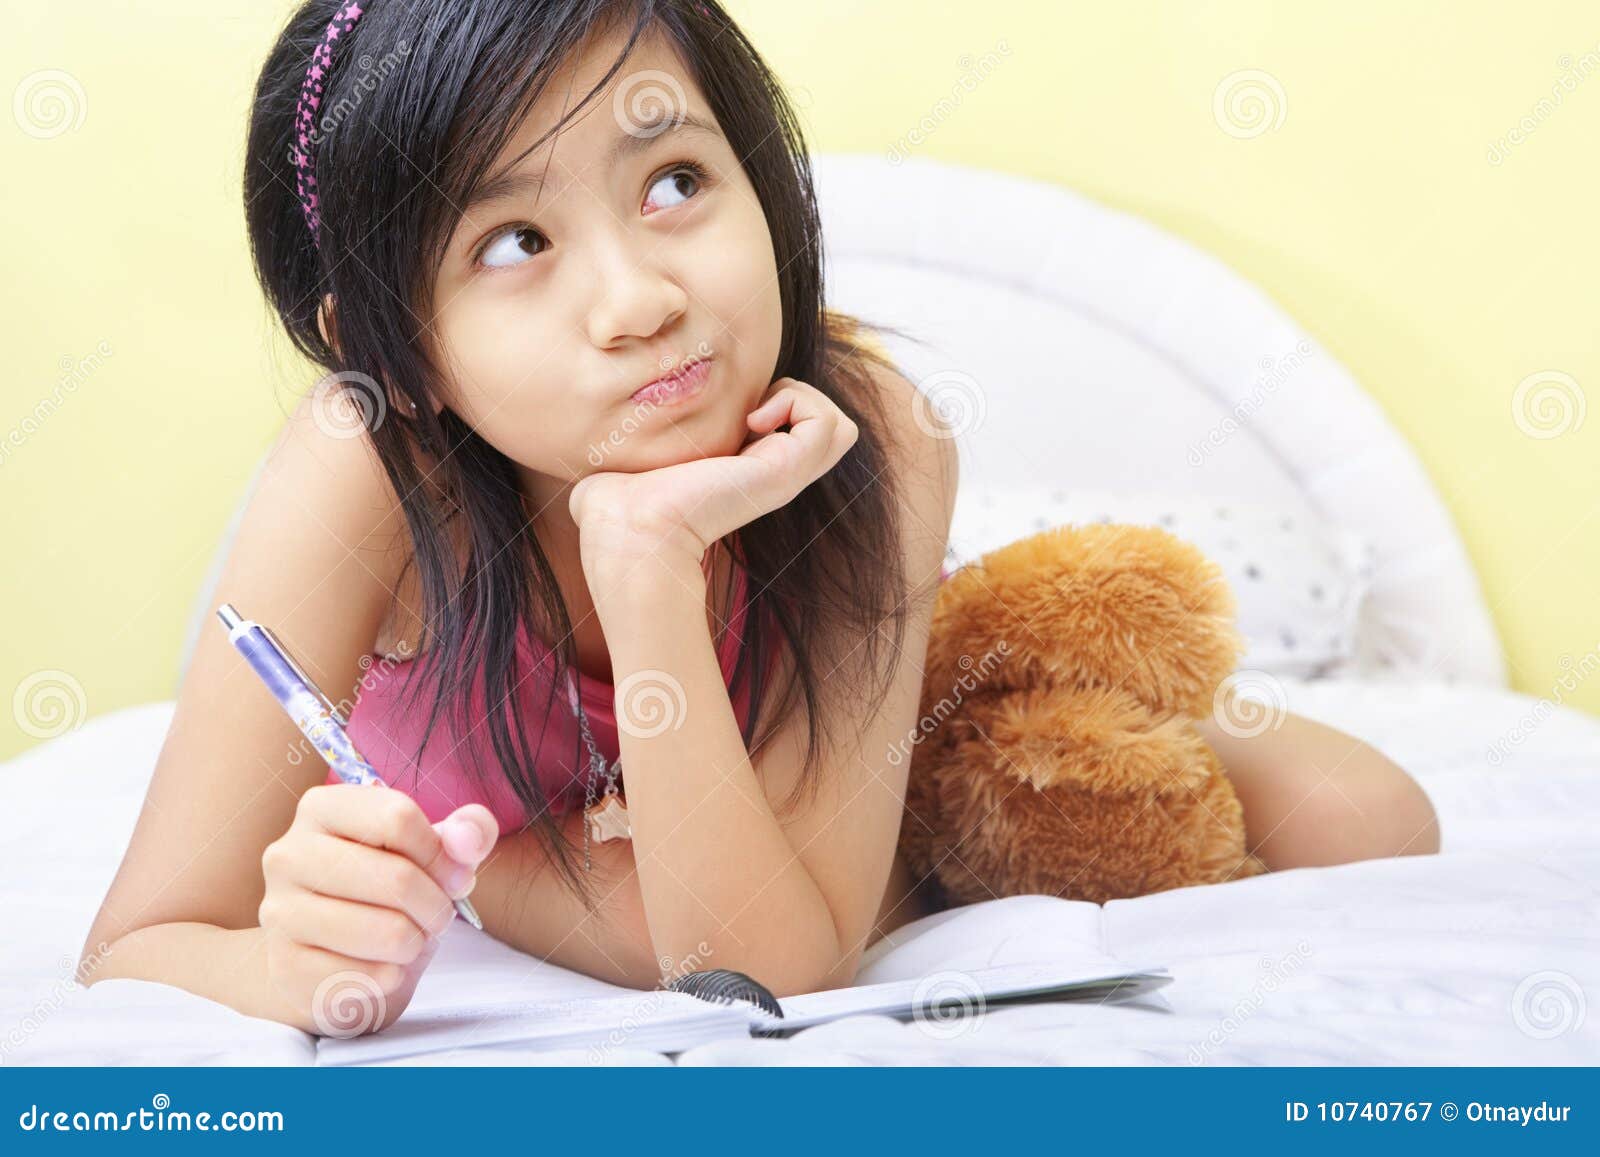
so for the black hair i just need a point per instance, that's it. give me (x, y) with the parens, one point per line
(392, 159)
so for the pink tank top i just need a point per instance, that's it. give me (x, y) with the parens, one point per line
(388, 735)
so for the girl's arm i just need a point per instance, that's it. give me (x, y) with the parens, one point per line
(525, 903)
(1313, 795)
(311, 560)
(720, 878)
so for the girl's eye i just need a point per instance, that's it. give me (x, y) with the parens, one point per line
(505, 249)
(677, 186)
(672, 188)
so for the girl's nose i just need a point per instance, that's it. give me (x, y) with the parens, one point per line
(635, 298)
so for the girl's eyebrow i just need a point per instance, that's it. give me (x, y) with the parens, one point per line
(511, 184)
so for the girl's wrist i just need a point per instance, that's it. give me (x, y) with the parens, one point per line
(653, 581)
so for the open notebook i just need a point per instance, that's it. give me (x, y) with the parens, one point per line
(667, 1021)
(482, 996)
(483, 1002)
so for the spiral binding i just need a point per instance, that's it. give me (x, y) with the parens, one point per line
(725, 986)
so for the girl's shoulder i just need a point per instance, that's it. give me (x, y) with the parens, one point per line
(921, 447)
(331, 482)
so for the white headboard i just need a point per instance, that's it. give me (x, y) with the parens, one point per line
(1105, 353)
(1110, 355)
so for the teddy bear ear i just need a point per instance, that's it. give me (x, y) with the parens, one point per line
(1085, 606)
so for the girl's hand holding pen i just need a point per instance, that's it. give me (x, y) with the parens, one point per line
(358, 892)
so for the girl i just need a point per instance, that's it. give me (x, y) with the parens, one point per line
(622, 493)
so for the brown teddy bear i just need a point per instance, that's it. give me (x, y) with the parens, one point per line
(1056, 752)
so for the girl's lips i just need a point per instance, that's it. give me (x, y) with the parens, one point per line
(675, 388)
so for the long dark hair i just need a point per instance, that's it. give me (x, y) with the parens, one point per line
(394, 156)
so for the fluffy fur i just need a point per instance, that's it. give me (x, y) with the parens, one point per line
(1056, 752)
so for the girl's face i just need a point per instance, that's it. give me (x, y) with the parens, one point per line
(617, 252)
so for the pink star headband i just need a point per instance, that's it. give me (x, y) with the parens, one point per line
(305, 113)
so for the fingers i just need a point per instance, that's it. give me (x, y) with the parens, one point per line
(468, 834)
(343, 869)
(311, 967)
(349, 928)
(822, 431)
(385, 818)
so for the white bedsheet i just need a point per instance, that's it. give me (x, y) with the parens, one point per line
(1488, 953)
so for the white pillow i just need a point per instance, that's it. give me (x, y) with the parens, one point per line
(1299, 580)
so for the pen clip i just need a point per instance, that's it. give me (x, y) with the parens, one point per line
(283, 653)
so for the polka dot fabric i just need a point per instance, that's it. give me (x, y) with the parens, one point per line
(305, 115)
(1300, 581)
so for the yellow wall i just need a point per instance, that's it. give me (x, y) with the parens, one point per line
(1441, 276)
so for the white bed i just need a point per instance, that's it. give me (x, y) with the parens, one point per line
(1090, 350)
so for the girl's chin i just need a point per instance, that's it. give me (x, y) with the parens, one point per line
(654, 447)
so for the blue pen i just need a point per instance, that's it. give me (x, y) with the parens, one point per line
(316, 717)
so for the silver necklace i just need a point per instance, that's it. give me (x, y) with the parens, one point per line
(606, 817)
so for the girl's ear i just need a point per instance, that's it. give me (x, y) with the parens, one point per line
(327, 324)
